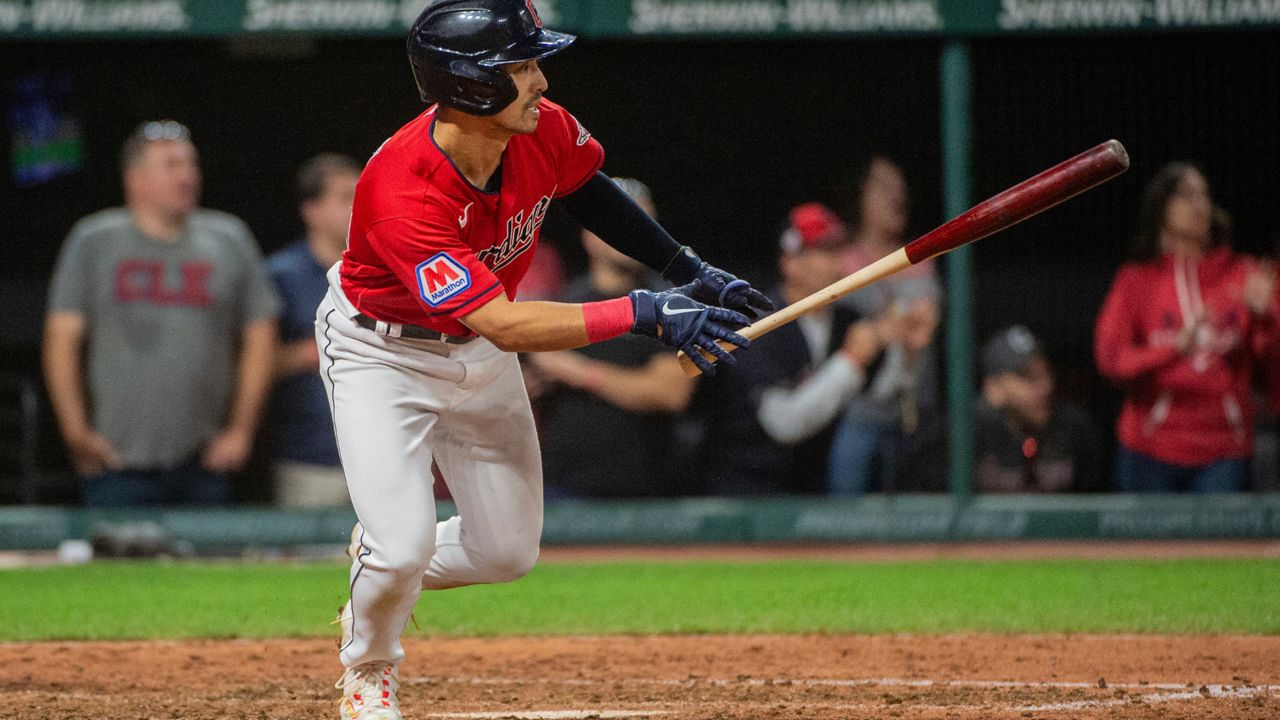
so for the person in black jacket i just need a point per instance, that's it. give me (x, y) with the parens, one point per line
(772, 414)
(625, 388)
(1026, 440)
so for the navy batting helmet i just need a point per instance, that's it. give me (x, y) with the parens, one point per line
(457, 48)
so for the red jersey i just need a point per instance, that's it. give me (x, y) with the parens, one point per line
(427, 247)
(1194, 408)
(1271, 370)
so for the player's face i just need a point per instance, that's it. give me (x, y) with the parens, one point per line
(167, 177)
(521, 116)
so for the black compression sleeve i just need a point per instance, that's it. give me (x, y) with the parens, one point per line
(603, 208)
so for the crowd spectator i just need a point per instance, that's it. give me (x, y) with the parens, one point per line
(1266, 463)
(608, 409)
(307, 469)
(1181, 331)
(173, 312)
(901, 407)
(545, 279)
(774, 411)
(1028, 440)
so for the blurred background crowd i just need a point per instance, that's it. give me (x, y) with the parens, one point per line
(165, 267)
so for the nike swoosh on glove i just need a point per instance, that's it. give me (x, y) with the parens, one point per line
(712, 286)
(686, 324)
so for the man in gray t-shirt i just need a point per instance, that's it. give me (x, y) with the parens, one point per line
(159, 335)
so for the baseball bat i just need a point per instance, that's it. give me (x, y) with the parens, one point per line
(1010, 207)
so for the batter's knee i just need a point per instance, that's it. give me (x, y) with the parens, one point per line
(510, 562)
(406, 562)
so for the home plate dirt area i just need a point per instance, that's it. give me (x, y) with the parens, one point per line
(668, 677)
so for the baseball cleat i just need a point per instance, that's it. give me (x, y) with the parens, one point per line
(369, 692)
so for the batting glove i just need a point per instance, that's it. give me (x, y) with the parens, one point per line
(715, 286)
(688, 325)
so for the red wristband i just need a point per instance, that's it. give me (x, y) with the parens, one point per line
(608, 319)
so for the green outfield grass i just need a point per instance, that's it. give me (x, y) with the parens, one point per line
(173, 600)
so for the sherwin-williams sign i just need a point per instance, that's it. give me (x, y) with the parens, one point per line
(623, 18)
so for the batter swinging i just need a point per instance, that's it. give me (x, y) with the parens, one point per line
(418, 330)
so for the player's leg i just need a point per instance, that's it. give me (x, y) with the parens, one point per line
(383, 413)
(487, 450)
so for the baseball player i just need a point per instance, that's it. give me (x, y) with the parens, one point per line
(418, 331)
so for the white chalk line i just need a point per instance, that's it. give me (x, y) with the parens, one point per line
(822, 682)
(556, 714)
(1178, 692)
(1210, 691)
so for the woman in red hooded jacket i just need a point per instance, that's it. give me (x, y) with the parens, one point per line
(1181, 331)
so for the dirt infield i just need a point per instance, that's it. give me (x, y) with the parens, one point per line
(958, 677)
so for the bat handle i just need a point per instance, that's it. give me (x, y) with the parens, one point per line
(692, 370)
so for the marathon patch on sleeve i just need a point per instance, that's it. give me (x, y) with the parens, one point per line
(441, 278)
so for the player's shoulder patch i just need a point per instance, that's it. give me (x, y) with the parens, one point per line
(583, 135)
(565, 119)
(441, 278)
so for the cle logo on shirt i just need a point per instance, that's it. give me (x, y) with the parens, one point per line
(441, 278)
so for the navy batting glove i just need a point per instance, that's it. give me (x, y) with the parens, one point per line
(688, 325)
(714, 286)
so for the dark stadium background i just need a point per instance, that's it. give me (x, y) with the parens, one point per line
(730, 134)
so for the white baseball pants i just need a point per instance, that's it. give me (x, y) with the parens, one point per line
(397, 404)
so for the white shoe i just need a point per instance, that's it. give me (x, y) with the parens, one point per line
(369, 693)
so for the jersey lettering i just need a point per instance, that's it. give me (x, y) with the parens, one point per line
(519, 237)
(441, 278)
(413, 206)
(140, 280)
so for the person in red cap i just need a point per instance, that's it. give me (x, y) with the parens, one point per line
(774, 411)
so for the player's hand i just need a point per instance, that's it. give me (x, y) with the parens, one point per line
(710, 285)
(228, 450)
(713, 286)
(91, 453)
(688, 325)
